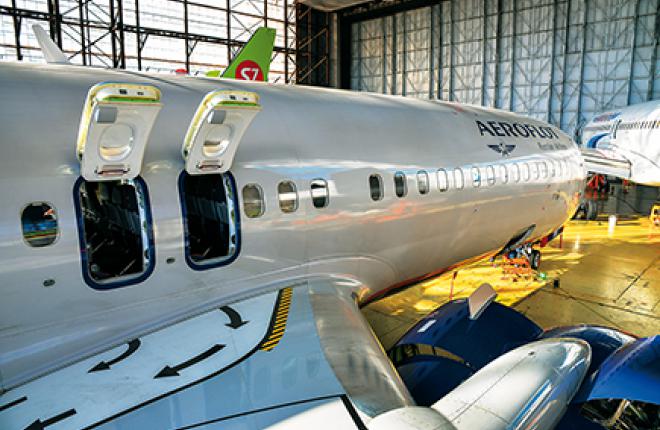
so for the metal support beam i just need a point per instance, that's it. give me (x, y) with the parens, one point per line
(498, 56)
(562, 98)
(633, 45)
(452, 59)
(548, 116)
(484, 43)
(55, 22)
(583, 50)
(395, 53)
(286, 42)
(17, 32)
(186, 31)
(404, 59)
(138, 35)
(383, 26)
(512, 71)
(440, 48)
(652, 69)
(359, 58)
(81, 31)
(228, 14)
(431, 56)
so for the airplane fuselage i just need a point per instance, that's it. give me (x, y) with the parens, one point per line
(518, 175)
(631, 133)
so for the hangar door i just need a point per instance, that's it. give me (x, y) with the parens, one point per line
(557, 60)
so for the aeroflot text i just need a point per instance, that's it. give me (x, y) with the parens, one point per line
(500, 128)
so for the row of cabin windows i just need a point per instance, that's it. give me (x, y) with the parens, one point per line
(115, 222)
(490, 175)
(254, 204)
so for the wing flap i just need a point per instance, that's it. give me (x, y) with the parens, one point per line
(606, 163)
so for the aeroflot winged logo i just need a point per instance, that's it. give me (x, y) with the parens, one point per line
(503, 149)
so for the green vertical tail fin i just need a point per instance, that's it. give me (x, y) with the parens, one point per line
(253, 61)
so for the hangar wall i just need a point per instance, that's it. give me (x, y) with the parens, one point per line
(556, 60)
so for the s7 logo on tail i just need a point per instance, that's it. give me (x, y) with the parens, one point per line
(249, 70)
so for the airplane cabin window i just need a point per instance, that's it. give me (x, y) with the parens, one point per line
(476, 177)
(422, 182)
(515, 172)
(525, 172)
(443, 180)
(490, 175)
(209, 215)
(253, 201)
(288, 196)
(543, 169)
(376, 187)
(319, 188)
(39, 223)
(115, 232)
(504, 173)
(534, 170)
(459, 178)
(400, 186)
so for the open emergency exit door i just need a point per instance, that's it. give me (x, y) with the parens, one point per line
(216, 130)
(114, 129)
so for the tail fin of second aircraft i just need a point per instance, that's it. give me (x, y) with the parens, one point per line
(253, 61)
(52, 53)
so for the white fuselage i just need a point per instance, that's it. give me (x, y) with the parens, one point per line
(301, 134)
(631, 133)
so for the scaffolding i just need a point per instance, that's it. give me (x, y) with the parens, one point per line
(150, 35)
(313, 46)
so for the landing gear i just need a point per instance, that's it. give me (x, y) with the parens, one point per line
(526, 252)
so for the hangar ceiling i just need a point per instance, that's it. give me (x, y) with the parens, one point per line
(150, 35)
(556, 60)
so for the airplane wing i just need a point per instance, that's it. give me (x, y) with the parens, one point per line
(278, 359)
(606, 162)
(253, 61)
(52, 53)
(298, 358)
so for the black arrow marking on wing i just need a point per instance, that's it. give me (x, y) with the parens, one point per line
(174, 371)
(12, 404)
(235, 320)
(39, 425)
(105, 365)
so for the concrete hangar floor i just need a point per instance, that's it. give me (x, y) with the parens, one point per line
(608, 276)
